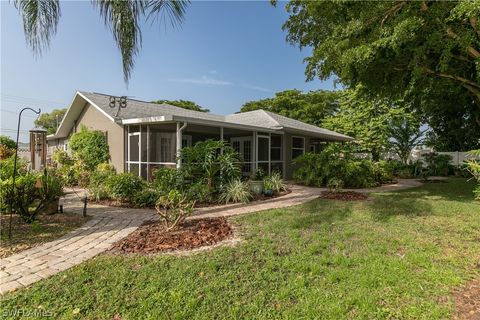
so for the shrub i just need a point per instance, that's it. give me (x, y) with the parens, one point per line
(124, 186)
(97, 186)
(147, 198)
(212, 162)
(7, 147)
(62, 158)
(6, 168)
(438, 164)
(318, 168)
(335, 184)
(235, 191)
(474, 169)
(274, 182)
(199, 192)
(166, 179)
(383, 171)
(6, 173)
(90, 148)
(173, 208)
(34, 192)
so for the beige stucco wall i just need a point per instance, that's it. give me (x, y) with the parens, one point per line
(95, 120)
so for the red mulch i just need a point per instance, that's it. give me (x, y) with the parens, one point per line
(467, 301)
(152, 237)
(343, 196)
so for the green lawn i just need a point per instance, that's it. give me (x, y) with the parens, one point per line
(396, 256)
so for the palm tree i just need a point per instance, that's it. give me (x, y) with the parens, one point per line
(122, 17)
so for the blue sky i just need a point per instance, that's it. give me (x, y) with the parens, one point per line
(225, 54)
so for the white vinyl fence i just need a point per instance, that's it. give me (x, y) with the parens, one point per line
(458, 157)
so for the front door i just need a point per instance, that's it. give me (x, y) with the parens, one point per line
(243, 146)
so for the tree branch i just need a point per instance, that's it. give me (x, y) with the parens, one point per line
(474, 53)
(392, 11)
(453, 77)
(474, 22)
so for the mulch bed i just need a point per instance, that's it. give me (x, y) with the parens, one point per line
(467, 301)
(343, 196)
(152, 237)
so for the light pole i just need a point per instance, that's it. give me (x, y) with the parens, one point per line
(15, 169)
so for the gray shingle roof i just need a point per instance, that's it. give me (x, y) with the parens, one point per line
(256, 119)
(141, 109)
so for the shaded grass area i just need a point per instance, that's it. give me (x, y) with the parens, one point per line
(46, 228)
(398, 255)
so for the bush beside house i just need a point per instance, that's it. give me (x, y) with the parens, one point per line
(317, 169)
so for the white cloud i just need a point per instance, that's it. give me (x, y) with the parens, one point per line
(213, 71)
(257, 88)
(204, 80)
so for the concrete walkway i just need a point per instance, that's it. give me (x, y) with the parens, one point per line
(110, 224)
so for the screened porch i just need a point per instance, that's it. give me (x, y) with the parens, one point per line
(151, 146)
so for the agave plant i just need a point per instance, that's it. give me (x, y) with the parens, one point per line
(123, 18)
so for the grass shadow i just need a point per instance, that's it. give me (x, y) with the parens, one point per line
(322, 211)
(384, 207)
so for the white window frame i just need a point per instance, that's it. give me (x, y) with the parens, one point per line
(140, 162)
(241, 141)
(296, 148)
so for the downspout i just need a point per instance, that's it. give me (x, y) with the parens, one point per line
(179, 142)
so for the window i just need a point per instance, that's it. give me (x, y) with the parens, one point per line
(298, 147)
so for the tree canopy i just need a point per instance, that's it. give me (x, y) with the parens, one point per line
(310, 107)
(453, 118)
(393, 48)
(50, 120)
(368, 120)
(186, 104)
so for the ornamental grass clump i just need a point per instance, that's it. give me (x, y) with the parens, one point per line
(274, 182)
(235, 191)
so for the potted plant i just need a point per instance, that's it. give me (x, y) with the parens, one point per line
(50, 190)
(268, 187)
(256, 181)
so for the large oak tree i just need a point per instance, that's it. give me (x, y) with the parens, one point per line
(393, 48)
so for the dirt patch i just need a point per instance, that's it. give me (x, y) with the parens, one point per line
(343, 196)
(433, 181)
(467, 301)
(151, 237)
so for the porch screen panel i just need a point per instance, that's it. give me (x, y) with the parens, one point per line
(262, 149)
(162, 146)
(276, 153)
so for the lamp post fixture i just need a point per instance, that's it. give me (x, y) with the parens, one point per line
(15, 169)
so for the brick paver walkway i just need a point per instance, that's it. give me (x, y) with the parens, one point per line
(110, 224)
(107, 226)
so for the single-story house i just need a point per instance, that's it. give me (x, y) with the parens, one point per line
(144, 136)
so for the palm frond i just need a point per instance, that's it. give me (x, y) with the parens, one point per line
(168, 10)
(40, 21)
